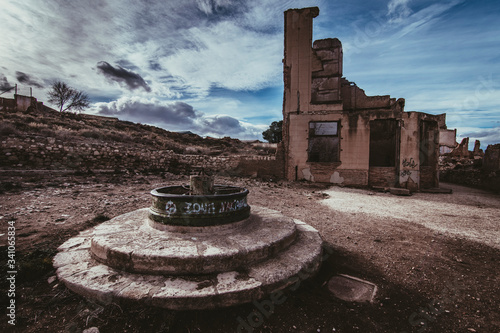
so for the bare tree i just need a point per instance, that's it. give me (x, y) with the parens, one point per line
(67, 98)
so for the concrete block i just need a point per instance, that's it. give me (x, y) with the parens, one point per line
(399, 191)
(352, 289)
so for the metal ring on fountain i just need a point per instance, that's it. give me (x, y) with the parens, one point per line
(174, 205)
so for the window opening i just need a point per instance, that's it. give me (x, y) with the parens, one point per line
(324, 143)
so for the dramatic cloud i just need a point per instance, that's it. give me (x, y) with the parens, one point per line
(123, 76)
(487, 136)
(223, 125)
(26, 79)
(187, 51)
(177, 116)
(4, 83)
(226, 55)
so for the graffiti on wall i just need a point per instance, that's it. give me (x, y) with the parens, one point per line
(405, 173)
(409, 163)
(193, 208)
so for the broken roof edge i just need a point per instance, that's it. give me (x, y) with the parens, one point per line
(326, 43)
(314, 11)
(440, 118)
(429, 114)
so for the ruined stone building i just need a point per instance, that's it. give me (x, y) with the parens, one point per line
(333, 132)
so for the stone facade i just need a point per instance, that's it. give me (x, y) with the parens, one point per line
(333, 132)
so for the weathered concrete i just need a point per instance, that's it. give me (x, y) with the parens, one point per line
(352, 289)
(176, 205)
(285, 264)
(399, 191)
(139, 248)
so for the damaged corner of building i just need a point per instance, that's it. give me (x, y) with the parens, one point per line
(334, 133)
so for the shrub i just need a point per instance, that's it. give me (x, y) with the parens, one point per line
(47, 132)
(91, 134)
(119, 137)
(64, 133)
(37, 125)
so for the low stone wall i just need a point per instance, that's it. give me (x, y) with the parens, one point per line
(46, 153)
(472, 177)
(267, 167)
(481, 173)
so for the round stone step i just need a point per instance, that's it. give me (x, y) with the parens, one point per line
(129, 243)
(286, 269)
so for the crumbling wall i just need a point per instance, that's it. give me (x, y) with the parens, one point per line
(447, 140)
(470, 168)
(491, 160)
(354, 97)
(7, 104)
(462, 151)
(477, 153)
(23, 102)
(46, 153)
(326, 71)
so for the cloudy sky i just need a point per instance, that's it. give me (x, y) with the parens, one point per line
(214, 67)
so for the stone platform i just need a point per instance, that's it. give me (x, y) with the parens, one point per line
(126, 259)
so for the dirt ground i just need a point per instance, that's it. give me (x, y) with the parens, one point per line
(434, 257)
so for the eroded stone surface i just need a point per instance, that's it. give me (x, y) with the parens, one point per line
(137, 247)
(90, 278)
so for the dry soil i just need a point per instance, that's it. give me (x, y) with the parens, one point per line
(434, 257)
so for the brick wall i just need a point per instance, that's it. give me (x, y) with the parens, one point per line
(383, 176)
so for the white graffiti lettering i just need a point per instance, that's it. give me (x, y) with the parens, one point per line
(170, 208)
(231, 206)
(199, 208)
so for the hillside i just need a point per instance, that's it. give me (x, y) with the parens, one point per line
(57, 141)
(71, 127)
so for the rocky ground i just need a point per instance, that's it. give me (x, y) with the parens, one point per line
(434, 257)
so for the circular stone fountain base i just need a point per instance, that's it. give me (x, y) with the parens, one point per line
(129, 243)
(127, 260)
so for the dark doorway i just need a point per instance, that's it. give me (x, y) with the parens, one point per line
(383, 139)
(383, 152)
